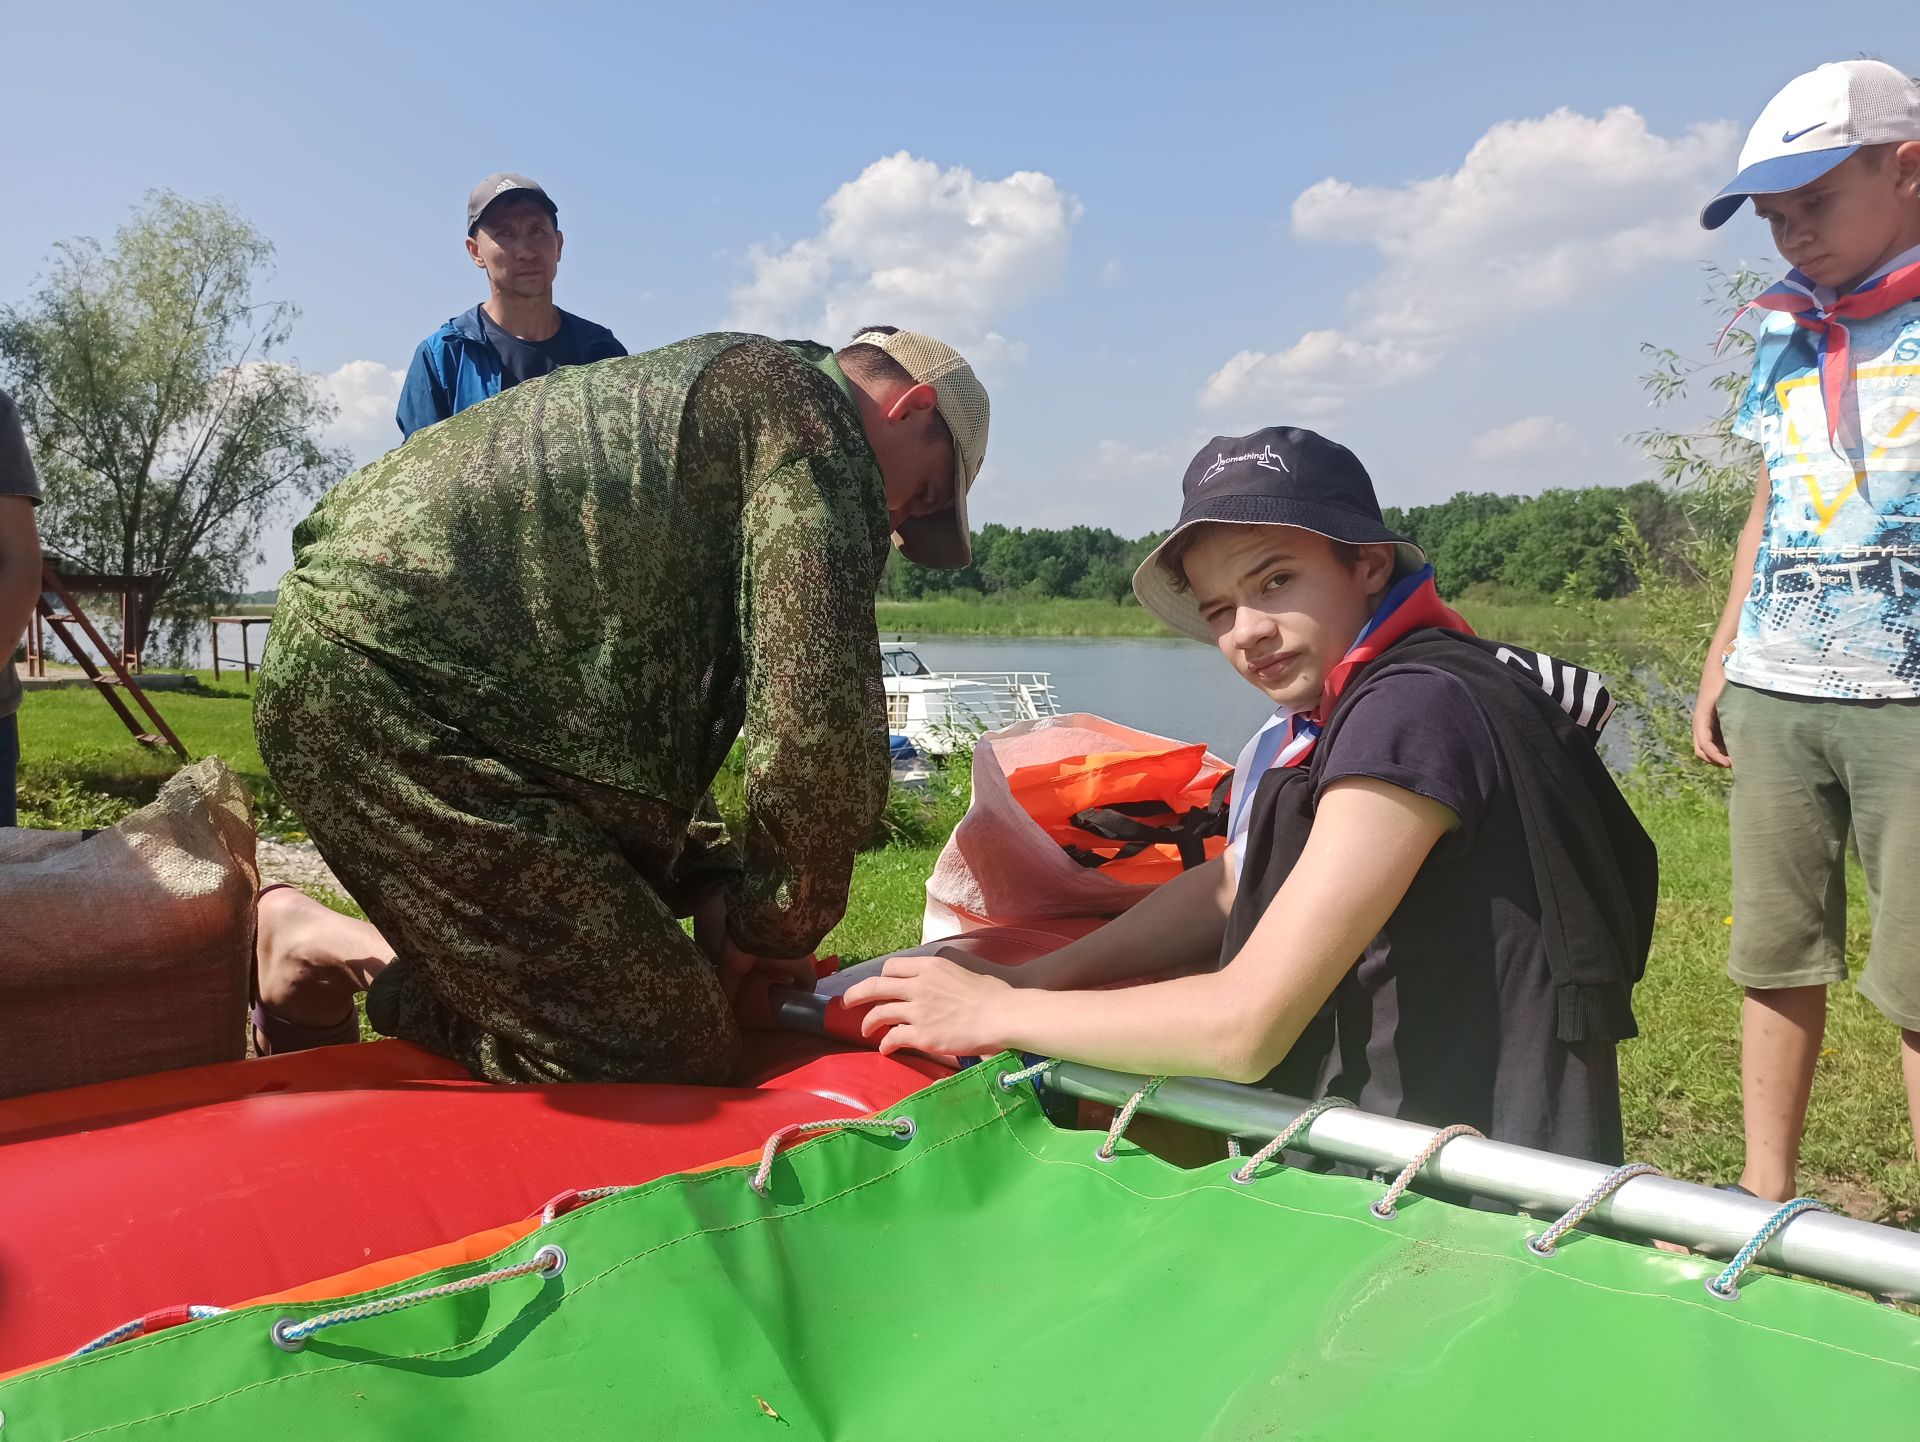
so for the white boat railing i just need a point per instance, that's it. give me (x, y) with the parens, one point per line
(1029, 694)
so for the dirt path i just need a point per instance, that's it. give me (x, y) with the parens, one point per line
(295, 861)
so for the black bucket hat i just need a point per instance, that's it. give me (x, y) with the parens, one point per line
(1279, 476)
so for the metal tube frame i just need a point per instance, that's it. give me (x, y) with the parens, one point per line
(1880, 1260)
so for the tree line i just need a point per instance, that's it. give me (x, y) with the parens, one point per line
(1556, 541)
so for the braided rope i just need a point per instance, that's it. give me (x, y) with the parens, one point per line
(1384, 1208)
(1726, 1286)
(901, 1127)
(573, 1197)
(1123, 1118)
(1544, 1244)
(1011, 1079)
(290, 1336)
(153, 1321)
(1294, 1128)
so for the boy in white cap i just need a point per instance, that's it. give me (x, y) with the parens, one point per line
(1811, 690)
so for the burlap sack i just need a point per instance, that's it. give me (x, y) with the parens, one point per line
(126, 951)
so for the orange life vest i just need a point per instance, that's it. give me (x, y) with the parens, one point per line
(1141, 817)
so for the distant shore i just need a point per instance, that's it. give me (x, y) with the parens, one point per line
(1530, 620)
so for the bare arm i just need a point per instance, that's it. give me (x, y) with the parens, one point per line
(1176, 928)
(19, 571)
(1708, 744)
(1368, 841)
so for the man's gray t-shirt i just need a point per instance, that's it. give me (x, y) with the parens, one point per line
(16, 479)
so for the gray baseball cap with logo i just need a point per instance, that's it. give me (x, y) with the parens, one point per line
(499, 185)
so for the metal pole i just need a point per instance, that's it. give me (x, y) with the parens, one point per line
(1884, 1261)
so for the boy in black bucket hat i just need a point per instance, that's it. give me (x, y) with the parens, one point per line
(1435, 901)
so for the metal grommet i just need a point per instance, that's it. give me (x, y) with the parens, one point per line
(1382, 1211)
(753, 1184)
(552, 1259)
(1534, 1246)
(904, 1129)
(1240, 1176)
(282, 1340)
(1004, 1078)
(1731, 1294)
(1101, 1154)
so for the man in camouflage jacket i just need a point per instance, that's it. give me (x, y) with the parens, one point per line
(512, 655)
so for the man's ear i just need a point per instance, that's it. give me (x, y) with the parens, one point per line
(473, 252)
(559, 243)
(1376, 565)
(1906, 161)
(921, 397)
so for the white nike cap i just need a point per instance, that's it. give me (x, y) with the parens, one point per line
(1815, 122)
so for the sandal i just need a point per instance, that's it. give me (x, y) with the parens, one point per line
(274, 1035)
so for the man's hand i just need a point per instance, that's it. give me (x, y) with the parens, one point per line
(735, 965)
(1708, 744)
(931, 1004)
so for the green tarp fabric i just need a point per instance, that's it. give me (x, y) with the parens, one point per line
(989, 1278)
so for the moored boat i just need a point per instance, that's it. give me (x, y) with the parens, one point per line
(943, 711)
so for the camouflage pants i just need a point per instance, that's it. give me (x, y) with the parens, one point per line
(533, 940)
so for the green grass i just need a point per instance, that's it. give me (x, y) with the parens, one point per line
(1013, 616)
(883, 911)
(1541, 623)
(79, 767)
(1681, 1077)
(1532, 620)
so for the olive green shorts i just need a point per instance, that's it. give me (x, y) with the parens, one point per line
(1806, 773)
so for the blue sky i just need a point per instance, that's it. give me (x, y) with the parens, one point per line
(1439, 237)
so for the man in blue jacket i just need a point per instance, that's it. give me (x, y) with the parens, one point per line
(517, 333)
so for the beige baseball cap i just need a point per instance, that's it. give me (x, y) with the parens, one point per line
(941, 540)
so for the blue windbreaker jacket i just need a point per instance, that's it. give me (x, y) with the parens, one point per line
(457, 367)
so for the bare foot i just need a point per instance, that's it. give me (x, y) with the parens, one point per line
(312, 960)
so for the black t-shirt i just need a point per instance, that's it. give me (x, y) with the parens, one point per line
(1449, 1015)
(523, 360)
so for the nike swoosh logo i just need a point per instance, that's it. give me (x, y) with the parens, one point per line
(1789, 136)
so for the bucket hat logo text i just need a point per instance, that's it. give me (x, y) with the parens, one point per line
(1266, 457)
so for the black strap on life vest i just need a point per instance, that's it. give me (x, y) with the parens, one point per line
(1136, 825)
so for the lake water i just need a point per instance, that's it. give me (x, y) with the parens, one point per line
(1179, 689)
(1175, 688)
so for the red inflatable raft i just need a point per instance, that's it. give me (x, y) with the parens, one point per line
(222, 1184)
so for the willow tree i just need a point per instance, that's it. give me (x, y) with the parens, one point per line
(167, 428)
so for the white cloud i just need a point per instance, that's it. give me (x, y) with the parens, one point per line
(1524, 439)
(366, 392)
(907, 243)
(1112, 459)
(1315, 376)
(1540, 214)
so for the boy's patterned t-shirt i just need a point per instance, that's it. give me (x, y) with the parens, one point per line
(1835, 605)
